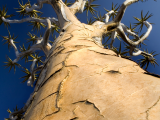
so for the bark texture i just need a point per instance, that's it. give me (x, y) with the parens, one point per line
(83, 81)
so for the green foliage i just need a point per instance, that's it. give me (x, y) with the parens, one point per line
(108, 35)
(27, 55)
(3, 13)
(146, 60)
(11, 64)
(142, 19)
(90, 21)
(115, 9)
(90, 7)
(22, 12)
(19, 116)
(37, 25)
(132, 29)
(26, 77)
(33, 38)
(99, 17)
(119, 52)
(7, 39)
(39, 58)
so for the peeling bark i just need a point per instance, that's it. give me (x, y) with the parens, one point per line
(82, 80)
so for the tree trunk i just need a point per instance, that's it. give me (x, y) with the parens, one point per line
(83, 81)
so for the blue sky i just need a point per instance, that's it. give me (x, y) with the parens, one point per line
(13, 92)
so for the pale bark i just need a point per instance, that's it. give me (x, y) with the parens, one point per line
(82, 80)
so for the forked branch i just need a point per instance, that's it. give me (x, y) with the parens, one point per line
(78, 6)
(130, 42)
(133, 44)
(42, 44)
(122, 9)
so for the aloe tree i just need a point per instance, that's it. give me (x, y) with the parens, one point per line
(78, 57)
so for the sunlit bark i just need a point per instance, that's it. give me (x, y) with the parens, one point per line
(82, 80)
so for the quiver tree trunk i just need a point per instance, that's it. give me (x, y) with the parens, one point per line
(80, 80)
(83, 81)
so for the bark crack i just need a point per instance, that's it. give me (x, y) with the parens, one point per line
(58, 96)
(51, 114)
(75, 118)
(44, 99)
(100, 53)
(72, 66)
(66, 39)
(88, 102)
(50, 77)
(147, 111)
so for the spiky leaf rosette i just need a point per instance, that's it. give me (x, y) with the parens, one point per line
(146, 60)
(37, 25)
(3, 13)
(7, 39)
(27, 75)
(90, 7)
(33, 38)
(19, 116)
(39, 58)
(22, 12)
(115, 9)
(108, 35)
(27, 55)
(142, 19)
(119, 52)
(11, 64)
(90, 21)
(99, 17)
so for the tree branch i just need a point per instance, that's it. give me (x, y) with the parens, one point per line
(42, 44)
(24, 20)
(122, 10)
(37, 6)
(130, 42)
(125, 29)
(133, 44)
(107, 16)
(78, 6)
(113, 36)
(112, 25)
(129, 32)
(138, 52)
(15, 48)
(32, 77)
(54, 20)
(63, 12)
(47, 34)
